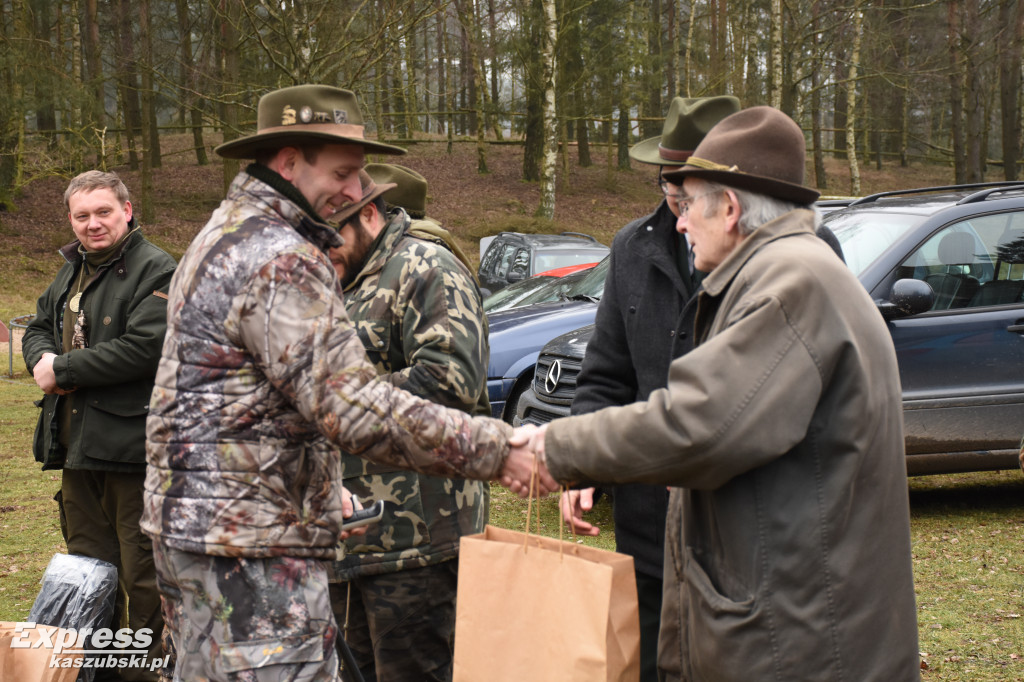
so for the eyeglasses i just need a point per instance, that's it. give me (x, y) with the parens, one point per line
(685, 201)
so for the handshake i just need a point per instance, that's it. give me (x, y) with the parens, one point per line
(526, 459)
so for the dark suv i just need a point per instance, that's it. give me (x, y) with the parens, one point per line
(946, 268)
(514, 256)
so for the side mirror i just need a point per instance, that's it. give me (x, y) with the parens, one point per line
(516, 276)
(908, 297)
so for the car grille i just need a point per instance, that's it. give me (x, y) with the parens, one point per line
(538, 417)
(554, 379)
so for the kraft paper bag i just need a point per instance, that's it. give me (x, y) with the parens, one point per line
(553, 611)
(34, 664)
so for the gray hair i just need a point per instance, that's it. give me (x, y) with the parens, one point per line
(755, 209)
(90, 181)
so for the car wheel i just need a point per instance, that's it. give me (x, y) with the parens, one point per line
(512, 404)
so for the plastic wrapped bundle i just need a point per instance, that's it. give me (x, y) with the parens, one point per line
(77, 592)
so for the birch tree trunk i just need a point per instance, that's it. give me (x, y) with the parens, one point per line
(851, 101)
(549, 158)
(776, 61)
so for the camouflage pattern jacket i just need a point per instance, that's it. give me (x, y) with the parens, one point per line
(263, 378)
(419, 315)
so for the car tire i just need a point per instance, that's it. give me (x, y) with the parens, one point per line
(512, 404)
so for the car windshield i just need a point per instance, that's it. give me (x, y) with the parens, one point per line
(866, 235)
(518, 293)
(590, 286)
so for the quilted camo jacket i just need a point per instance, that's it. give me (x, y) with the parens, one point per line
(262, 378)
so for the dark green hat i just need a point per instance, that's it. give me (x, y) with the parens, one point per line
(314, 113)
(687, 122)
(410, 191)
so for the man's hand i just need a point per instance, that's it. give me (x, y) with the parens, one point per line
(573, 503)
(349, 505)
(44, 376)
(519, 465)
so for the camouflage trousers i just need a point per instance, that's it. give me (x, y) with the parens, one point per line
(401, 626)
(247, 620)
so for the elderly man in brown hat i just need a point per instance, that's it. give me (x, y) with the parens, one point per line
(788, 533)
(419, 314)
(649, 282)
(262, 378)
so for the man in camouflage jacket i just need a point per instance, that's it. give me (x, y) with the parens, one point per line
(418, 312)
(262, 378)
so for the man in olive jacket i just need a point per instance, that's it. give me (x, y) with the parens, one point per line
(93, 349)
(417, 310)
(787, 552)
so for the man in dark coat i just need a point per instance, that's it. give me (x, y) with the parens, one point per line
(93, 349)
(649, 282)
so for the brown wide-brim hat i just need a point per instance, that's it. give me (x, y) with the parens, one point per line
(758, 149)
(410, 188)
(305, 113)
(688, 120)
(371, 191)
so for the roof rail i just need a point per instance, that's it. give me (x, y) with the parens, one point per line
(984, 194)
(580, 234)
(944, 188)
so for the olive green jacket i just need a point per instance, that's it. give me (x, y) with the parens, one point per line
(418, 312)
(126, 311)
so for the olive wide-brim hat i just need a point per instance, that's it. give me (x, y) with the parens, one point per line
(410, 188)
(687, 122)
(758, 149)
(313, 113)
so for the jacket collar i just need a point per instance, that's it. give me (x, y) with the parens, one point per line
(284, 198)
(655, 239)
(799, 221)
(70, 252)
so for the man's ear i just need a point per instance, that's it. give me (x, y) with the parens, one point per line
(732, 211)
(128, 211)
(284, 162)
(369, 217)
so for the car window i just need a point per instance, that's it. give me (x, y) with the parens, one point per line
(865, 235)
(507, 251)
(549, 260)
(490, 258)
(520, 263)
(972, 263)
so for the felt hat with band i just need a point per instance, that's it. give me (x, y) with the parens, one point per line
(313, 113)
(410, 191)
(758, 149)
(687, 122)
(371, 191)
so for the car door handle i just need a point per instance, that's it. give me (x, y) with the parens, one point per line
(1016, 328)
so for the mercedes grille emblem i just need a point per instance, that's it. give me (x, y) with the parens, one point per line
(553, 376)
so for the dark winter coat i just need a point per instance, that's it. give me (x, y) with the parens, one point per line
(637, 334)
(126, 310)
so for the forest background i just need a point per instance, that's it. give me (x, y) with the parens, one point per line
(93, 83)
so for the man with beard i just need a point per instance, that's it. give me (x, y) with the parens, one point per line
(418, 312)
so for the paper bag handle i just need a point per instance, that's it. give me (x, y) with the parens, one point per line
(534, 476)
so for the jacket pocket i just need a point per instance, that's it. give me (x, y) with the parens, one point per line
(114, 430)
(237, 657)
(376, 338)
(404, 525)
(46, 447)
